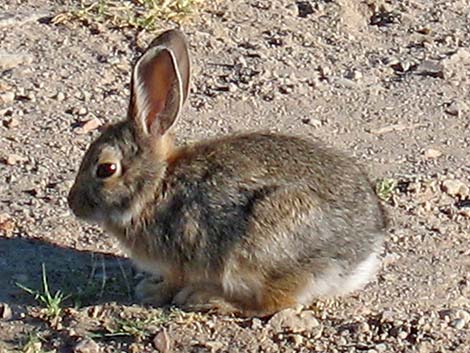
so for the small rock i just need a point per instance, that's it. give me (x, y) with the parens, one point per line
(5, 311)
(458, 324)
(456, 108)
(390, 259)
(430, 68)
(214, 346)
(291, 320)
(135, 348)
(402, 66)
(388, 316)
(88, 126)
(363, 327)
(11, 123)
(313, 122)
(82, 111)
(304, 8)
(455, 188)
(162, 342)
(353, 75)
(13, 159)
(425, 347)
(60, 96)
(7, 224)
(256, 324)
(10, 61)
(4, 87)
(381, 347)
(465, 212)
(424, 30)
(298, 340)
(455, 65)
(325, 72)
(7, 97)
(86, 345)
(464, 315)
(431, 153)
(402, 335)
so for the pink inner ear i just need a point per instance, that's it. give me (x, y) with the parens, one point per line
(158, 79)
(150, 120)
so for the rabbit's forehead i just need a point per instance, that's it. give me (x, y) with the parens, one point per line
(109, 153)
(101, 152)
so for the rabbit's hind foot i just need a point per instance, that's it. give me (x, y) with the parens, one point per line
(204, 298)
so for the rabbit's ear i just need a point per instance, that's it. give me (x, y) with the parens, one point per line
(160, 83)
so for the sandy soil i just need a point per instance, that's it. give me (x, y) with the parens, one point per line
(386, 81)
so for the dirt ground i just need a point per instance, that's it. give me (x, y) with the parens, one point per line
(387, 81)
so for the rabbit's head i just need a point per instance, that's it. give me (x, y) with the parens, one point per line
(123, 168)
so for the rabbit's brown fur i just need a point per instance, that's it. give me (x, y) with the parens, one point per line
(250, 223)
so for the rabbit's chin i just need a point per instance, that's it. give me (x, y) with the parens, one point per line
(122, 218)
(114, 219)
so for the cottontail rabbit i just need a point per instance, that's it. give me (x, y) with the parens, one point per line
(251, 223)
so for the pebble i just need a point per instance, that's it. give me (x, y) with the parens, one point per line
(11, 123)
(316, 123)
(298, 340)
(431, 153)
(402, 66)
(256, 324)
(304, 8)
(214, 346)
(162, 342)
(293, 321)
(7, 224)
(390, 259)
(60, 96)
(4, 87)
(455, 187)
(455, 64)
(7, 97)
(135, 348)
(465, 212)
(456, 108)
(86, 345)
(325, 71)
(5, 311)
(464, 315)
(430, 68)
(88, 126)
(10, 61)
(353, 75)
(458, 324)
(13, 159)
(381, 347)
(82, 111)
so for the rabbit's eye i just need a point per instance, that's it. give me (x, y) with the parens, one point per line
(106, 170)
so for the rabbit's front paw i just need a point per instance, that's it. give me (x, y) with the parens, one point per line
(203, 298)
(155, 291)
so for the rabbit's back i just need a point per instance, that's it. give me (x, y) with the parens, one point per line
(279, 201)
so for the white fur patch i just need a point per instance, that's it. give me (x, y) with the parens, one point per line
(240, 284)
(331, 283)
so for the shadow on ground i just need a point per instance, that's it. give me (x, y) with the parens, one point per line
(85, 277)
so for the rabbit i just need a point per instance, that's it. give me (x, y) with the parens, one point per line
(251, 223)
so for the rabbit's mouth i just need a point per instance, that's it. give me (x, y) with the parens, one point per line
(84, 208)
